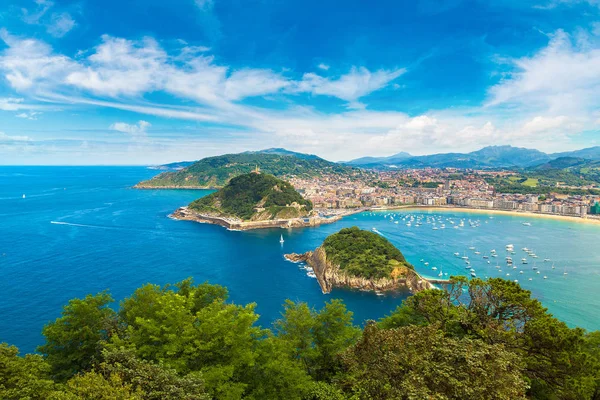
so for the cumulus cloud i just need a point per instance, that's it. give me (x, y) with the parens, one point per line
(563, 76)
(138, 129)
(324, 67)
(550, 94)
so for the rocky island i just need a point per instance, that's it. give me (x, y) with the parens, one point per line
(253, 201)
(360, 259)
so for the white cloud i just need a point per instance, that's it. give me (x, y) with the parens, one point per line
(29, 62)
(324, 67)
(542, 124)
(564, 76)
(60, 24)
(10, 104)
(6, 138)
(31, 115)
(138, 129)
(357, 83)
(42, 8)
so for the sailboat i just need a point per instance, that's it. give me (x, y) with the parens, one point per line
(281, 239)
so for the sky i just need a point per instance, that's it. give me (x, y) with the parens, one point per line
(85, 82)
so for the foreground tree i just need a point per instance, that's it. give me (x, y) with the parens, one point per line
(422, 363)
(75, 339)
(24, 377)
(497, 311)
(316, 338)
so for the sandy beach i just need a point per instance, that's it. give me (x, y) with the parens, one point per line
(493, 211)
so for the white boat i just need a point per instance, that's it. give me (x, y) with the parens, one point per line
(545, 277)
(281, 239)
(426, 264)
(23, 196)
(527, 223)
(434, 268)
(457, 254)
(441, 274)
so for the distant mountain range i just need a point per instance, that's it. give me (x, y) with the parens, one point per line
(488, 157)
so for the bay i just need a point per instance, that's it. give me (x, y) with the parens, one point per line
(82, 230)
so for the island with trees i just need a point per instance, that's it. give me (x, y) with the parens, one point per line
(364, 260)
(475, 339)
(252, 201)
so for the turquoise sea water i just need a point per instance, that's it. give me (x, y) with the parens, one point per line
(81, 230)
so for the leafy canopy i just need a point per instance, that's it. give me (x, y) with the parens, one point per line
(245, 193)
(363, 253)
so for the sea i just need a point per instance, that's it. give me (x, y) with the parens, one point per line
(66, 232)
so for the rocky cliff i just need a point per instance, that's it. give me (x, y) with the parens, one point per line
(330, 275)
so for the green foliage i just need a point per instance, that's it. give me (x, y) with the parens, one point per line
(23, 377)
(94, 386)
(423, 363)
(174, 328)
(150, 381)
(362, 253)
(215, 172)
(500, 312)
(73, 340)
(243, 194)
(316, 338)
(475, 340)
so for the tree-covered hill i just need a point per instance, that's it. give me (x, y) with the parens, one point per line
(475, 340)
(254, 197)
(364, 254)
(215, 172)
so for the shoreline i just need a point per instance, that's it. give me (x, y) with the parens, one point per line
(527, 214)
(185, 214)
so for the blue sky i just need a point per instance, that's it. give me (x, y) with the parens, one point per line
(148, 81)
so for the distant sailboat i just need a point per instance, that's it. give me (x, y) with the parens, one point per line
(281, 239)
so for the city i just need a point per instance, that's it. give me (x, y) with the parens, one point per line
(436, 188)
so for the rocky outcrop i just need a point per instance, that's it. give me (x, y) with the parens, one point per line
(330, 275)
(186, 214)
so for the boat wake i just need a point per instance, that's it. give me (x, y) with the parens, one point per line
(82, 225)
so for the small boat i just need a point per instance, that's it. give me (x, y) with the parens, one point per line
(473, 275)
(521, 272)
(530, 279)
(23, 196)
(434, 268)
(546, 259)
(426, 264)
(486, 257)
(472, 248)
(478, 252)
(516, 281)
(441, 274)
(281, 239)
(527, 223)
(545, 277)
(457, 254)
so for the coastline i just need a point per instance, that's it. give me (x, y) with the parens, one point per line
(527, 214)
(148, 187)
(185, 214)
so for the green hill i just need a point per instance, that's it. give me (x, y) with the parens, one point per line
(254, 197)
(365, 254)
(215, 172)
